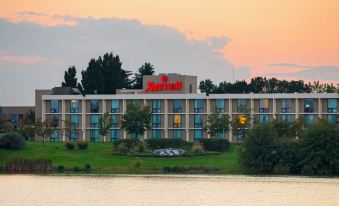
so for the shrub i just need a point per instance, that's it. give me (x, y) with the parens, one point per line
(82, 145)
(197, 149)
(218, 145)
(122, 148)
(162, 143)
(12, 140)
(139, 147)
(320, 149)
(69, 145)
(137, 164)
(259, 150)
(28, 165)
(129, 143)
(175, 169)
(76, 169)
(87, 168)
(60, 168)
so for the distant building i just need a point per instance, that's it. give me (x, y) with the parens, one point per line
(15, 114)
(178, 111)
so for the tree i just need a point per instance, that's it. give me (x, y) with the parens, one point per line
(136, 120)
(320, 148)
(259, 151)
(241, 122)
(70, 79)
(71, 128)
(104, 125)
(216, 123)
(207, 87)
(145, 69)
(43, 129)
(6, 125)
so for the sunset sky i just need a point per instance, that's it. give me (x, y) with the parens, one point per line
(287, 39)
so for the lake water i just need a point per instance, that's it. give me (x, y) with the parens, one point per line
(27, 190)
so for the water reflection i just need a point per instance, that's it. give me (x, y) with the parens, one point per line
(166, 190)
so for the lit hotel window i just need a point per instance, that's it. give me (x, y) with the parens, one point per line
(177, 121)
(308, 105)
(263, 105)
(220, 105)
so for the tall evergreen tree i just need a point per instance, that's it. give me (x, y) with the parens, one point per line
(145, 69)
(70, 79)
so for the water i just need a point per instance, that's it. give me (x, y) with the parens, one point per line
(166, 190)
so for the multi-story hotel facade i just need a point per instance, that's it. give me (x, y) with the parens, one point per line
(178, 111)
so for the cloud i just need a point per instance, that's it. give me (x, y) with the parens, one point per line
(43, 19)
(168, 49)
(5, 57)
(309, 73)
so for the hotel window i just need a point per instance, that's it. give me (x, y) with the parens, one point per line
(263, 118)
(94, 135)
(74, 119)
(75, 106)
(156, 106)
(94, 106)
(198, 135)
(54, 136)
(332, 105)
(55, 121)
(286, 106)
(240, 134)
(115, 134)
(197, 121)
(332, 118)
(263, 106)
(308, 105)
(177, 106)
(198, 105)
(309, 119)
(54, 106)
(114, 120)
(219, 135)
(220, 105)
(156, 133)
(134, 135)
(177, 134)
(94, 120)
(241, 105)
(134, 102)
(177, 121)
(156, 120)
(286, 117)
(115, 106)
(74, 135)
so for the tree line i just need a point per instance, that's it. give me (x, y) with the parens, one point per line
(105, 74)
(264, 85)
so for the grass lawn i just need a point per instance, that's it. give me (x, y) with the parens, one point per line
(99, 156)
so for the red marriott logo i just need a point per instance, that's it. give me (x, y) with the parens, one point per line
(164, 86)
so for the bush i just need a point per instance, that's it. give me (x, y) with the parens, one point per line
(28, 165)
(259, 150)
(162, 143)
(175, 169)
(197, 149)
(76, 169)
(12, 140)
(87, 168)
(129, 143)
(218, 145)
(139, 148)
(122, 148)
(60, 168)
(69, 145)
(137, 164)
(320, 149)
(82, 145)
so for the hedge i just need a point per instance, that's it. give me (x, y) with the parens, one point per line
(218, 145)
(162, 143)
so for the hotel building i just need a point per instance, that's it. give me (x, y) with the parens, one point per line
(178, 111)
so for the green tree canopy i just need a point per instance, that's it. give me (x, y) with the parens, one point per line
(70, 79)
(145, 69)
(216, 123)
(136, 120)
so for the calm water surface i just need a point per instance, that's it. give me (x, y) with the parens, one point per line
(166, 190)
